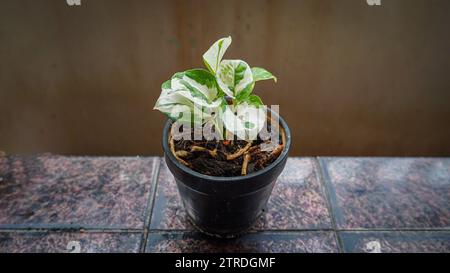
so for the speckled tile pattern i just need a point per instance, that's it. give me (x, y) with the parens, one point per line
(51, 203)
(389, 192)
(396, 242)
(266, 242)
(44, 242)
(53, 191)
(168, 212)
(297, 201)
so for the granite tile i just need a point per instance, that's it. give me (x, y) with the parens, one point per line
(297, 201)
(67, 242)
(265, 242)
(401, 242)
(75, 192)
(168, 211)
(389, 192)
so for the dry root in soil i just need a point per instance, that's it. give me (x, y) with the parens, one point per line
(227, 157)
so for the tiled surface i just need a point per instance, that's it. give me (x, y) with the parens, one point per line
(56, 191)
(281, 242)
(406, 241)
(54, 203)
(389, 192)
(168, 212)
(69, 242)
(297, 201)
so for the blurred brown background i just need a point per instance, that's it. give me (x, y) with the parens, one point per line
(353, 79)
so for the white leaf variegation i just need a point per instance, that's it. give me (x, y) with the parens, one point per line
(235, 78)
(198, 95)
(215, 53)
(177, 107)
(198, 86)
(185, 97)
(260, 74)
(245, 120)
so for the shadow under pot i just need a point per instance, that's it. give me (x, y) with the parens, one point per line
(225, 206)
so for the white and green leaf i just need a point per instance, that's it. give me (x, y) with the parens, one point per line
(198, 86)
(245, 121)
(235, 77)
(260, 74)
(187, 94)
(215, 53)
(253, 100)
(198, 95)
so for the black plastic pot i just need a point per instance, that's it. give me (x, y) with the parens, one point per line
(224, 206)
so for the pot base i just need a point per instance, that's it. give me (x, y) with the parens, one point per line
(231, 235)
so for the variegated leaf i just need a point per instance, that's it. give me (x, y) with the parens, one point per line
(187, 94)
(253, 100)
(198, 95)
(245, 120)
(198, 86)
(235, 77)
(177, 107)
(260, 74)
(215, 53)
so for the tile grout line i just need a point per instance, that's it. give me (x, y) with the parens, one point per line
(127, 230)
(257, 232)
(290, 231)
(322, 177)
(394, 229)
(67, 228)
(248, 232)
(151, 202)
(63, 230)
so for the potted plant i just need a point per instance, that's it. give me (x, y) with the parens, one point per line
(223, 146)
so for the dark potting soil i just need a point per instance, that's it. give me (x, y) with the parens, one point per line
(227, 157)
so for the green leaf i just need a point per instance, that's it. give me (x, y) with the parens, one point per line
(202, 76)
(186, 94)
(243, 95)
(215, 53)
(197, 85)
(166, 85)
(178, 108)
(254, 100)
(235, 77)
(260, 74)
